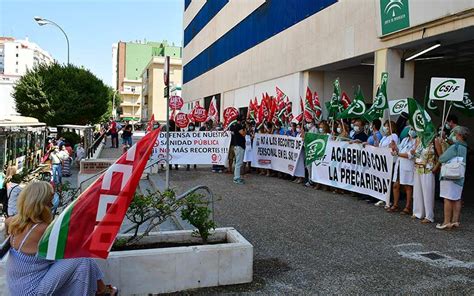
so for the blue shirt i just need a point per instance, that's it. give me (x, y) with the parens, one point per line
(292, 133)
(281, 132)
(371, 140)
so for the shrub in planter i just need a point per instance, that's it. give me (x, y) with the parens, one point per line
(154, 208)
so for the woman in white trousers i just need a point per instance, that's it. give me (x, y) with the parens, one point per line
(424, 187)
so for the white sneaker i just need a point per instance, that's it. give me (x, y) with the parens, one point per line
(380, 203)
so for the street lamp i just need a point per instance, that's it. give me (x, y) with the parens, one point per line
(114, 111)
(42, 21)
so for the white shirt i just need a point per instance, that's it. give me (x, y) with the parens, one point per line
(386, 140)
(13, 191)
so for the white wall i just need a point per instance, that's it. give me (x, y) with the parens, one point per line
(7, 102)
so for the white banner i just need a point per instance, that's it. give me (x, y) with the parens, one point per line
(193, 147)
(279, 153)
(365, 170)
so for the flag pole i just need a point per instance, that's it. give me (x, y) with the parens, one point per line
(167, 95)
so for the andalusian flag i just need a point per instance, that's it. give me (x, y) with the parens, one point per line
(466, 106)
(380, 102)
(356, 109)
(89, 225)
(314, 146)
(421, 122)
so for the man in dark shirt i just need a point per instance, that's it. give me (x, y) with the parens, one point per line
(127, 135)
(238, 140)
(359, 135)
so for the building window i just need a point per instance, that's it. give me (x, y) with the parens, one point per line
(16, 55)
(17, 62)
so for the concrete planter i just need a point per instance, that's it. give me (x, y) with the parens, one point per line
(164, 270)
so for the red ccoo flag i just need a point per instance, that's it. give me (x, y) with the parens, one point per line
(89, 225)
(149, 126)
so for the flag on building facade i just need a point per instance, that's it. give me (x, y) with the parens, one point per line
(421, 122)
(89, 225)
(357, 107)
(314, 146)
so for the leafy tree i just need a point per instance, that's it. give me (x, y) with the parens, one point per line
(62, 94)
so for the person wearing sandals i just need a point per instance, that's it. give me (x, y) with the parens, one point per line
(451, 189)
(424, 187)
(28, 274)
(403, 174)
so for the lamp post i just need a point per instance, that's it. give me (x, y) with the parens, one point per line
(114, 110)
(42, 21)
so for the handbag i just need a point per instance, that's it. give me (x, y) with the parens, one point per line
(454, 169)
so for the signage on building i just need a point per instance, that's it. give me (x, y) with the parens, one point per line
(447, 89)
(394, 15)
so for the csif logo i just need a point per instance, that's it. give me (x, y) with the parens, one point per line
(418, 121)
(316, 147)
(399, 106)
(446, 88)
(358, 108)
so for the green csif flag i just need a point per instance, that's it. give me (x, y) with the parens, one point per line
(356, 109)
(314, 147)
(380, 102)
(430, 104)
(466, 106)
(335, 105)
(420, 120)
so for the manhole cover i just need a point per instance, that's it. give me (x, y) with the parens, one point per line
(432, 256)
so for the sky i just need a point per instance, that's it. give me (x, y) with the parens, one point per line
(92, 27)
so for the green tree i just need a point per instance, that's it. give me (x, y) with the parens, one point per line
(62, 94)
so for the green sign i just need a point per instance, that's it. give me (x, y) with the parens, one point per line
(315, 147)
(394, 15)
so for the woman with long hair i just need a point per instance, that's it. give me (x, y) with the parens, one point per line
(27, 274)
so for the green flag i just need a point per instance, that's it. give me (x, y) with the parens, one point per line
(430, 104)
(335, 105)
(356, 109)
(421, 122)
(314, 146)
(380, 101)
(466, 106)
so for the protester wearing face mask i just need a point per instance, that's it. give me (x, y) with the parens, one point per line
(292, 131)
(324, 128)
(359, 135)
(403, 172)
(311, 128)
(376, 135)
(451, 125)
(424, 187)
(389, 140)
(342, 132)
(352, 131)
(451, 189)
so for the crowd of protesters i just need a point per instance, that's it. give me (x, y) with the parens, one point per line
(416, 169)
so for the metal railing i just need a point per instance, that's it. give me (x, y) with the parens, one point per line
(91, 150)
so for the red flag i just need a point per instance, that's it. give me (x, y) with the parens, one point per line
(149, 126)
(309, 98)
(345, 100)
(230, 116)
(213, 114)
(308, 106)
(89, 225)
(317, 106)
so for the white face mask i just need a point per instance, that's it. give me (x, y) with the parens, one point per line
(384, 130)
(412, 133)
(352, 126)
(308, 126)
(321, 130)
(298, 130)
(338, 130)
(447, 126)
(356, 128)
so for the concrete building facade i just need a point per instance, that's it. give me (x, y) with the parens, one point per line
(16, 58)
(154, 101)
(129, 60)
(237, 50)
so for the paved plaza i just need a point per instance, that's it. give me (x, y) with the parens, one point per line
(308, 241)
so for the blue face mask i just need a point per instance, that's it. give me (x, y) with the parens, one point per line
(412, 133)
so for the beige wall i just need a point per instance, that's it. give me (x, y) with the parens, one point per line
(342, 31)
(156, 103)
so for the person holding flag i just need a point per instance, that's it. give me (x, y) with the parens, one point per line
(28, 274)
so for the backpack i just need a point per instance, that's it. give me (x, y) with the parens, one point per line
(4, 197)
